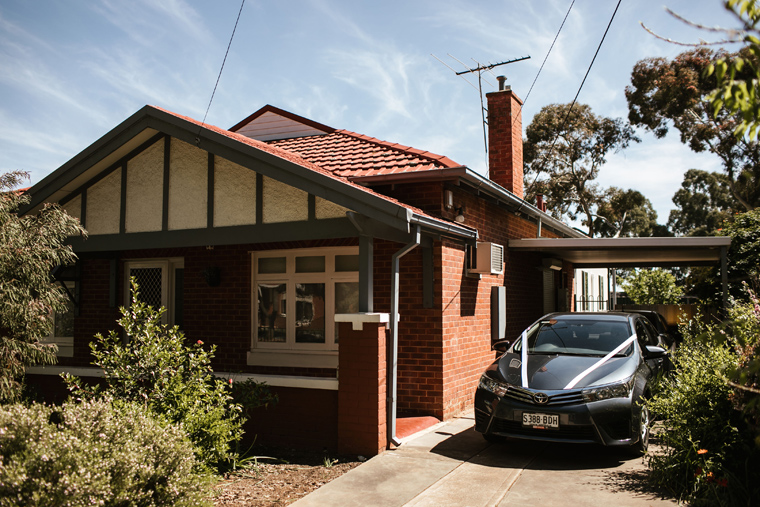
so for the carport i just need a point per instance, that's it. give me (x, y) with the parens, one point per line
(633, 252)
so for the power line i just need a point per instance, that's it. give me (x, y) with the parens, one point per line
(548, 52)
(570, 109)
(222, 68)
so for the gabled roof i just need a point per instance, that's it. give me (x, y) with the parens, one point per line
(278, 163)
(271, 122)
(343, 152)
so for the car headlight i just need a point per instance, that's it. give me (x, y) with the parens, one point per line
(493, 386)
(619, 390)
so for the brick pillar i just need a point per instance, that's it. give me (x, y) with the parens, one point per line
(505, 149)
(362, 384)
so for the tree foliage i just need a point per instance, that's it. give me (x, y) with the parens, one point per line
(674, 92)
(652, 287)
(564, 150)
(30, 247)
(703, 203)
(744, 253)
(738, 80)
(626, 213)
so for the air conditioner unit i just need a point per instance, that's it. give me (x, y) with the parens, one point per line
(487, 258)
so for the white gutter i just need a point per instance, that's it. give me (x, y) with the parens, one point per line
(393, 348)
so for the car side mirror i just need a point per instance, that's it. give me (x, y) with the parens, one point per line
(501, 346)
(655, 352)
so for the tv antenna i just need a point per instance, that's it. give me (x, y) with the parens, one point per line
(479, 69)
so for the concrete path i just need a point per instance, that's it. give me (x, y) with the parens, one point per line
(451, 465)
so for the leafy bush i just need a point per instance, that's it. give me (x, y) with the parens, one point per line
(709, 457)
(155, 366)
(95, 453)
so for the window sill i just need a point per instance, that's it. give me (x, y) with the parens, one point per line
(293, 358)
(328, 384)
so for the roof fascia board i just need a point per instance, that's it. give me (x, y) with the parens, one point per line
(620, 243)
(90, 156)
(483, 184)
(478, 182)
(234, 235)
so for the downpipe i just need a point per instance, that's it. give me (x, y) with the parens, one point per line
(393, 348)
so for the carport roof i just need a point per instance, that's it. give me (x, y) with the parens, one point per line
(628, 252)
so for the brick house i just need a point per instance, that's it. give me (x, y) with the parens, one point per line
(362, 280)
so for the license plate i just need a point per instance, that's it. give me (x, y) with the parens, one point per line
(541, 421)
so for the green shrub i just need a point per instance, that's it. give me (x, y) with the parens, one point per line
(708, 456)
(95, 453)
(154, 365)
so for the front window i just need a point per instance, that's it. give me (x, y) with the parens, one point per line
(297, 294)
(576, 337)
(62, 332)
(160, 284)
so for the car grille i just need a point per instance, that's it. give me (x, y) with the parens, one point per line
(580, 433)
(526, 396)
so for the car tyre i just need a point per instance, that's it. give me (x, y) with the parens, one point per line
(643, 431)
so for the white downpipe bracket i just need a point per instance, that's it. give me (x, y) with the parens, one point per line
(524, 359)
(393, 348)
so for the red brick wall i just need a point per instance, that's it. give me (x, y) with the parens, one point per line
(362, 419)
(303, 418)
(443, 350)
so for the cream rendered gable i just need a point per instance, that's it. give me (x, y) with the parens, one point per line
(145, 181)
(235, 194)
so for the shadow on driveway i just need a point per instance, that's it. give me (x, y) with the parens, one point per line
(598, 467)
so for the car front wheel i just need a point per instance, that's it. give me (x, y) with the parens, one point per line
(641, 446)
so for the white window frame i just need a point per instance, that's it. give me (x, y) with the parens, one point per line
(65, 343)
(290, 353)
(167, 265)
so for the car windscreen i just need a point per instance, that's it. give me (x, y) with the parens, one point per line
(589, 337)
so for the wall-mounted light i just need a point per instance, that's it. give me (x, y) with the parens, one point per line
(448, 199)
(460, 214)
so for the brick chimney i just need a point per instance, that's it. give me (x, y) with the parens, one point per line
(505, 150)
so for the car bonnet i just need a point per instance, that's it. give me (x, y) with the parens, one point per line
(555, 372)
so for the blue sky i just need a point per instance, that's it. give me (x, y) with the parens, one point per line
(71, 70)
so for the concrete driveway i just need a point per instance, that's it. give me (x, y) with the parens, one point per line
(451, 465)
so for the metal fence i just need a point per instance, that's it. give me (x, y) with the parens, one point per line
(598, 304)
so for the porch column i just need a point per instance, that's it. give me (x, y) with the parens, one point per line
(362, 427)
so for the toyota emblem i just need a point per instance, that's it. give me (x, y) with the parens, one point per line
(540, 398)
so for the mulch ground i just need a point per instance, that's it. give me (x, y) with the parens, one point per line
(266, 482)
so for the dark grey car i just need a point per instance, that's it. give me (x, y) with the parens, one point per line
(581, 378)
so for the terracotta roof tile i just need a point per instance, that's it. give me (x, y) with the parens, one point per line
(350, 154)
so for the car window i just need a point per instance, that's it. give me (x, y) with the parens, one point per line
(644, 333)
(576, 337)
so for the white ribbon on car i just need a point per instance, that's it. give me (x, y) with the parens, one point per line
(524, 365)
(600, 362)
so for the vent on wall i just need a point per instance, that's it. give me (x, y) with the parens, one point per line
(486, 258)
